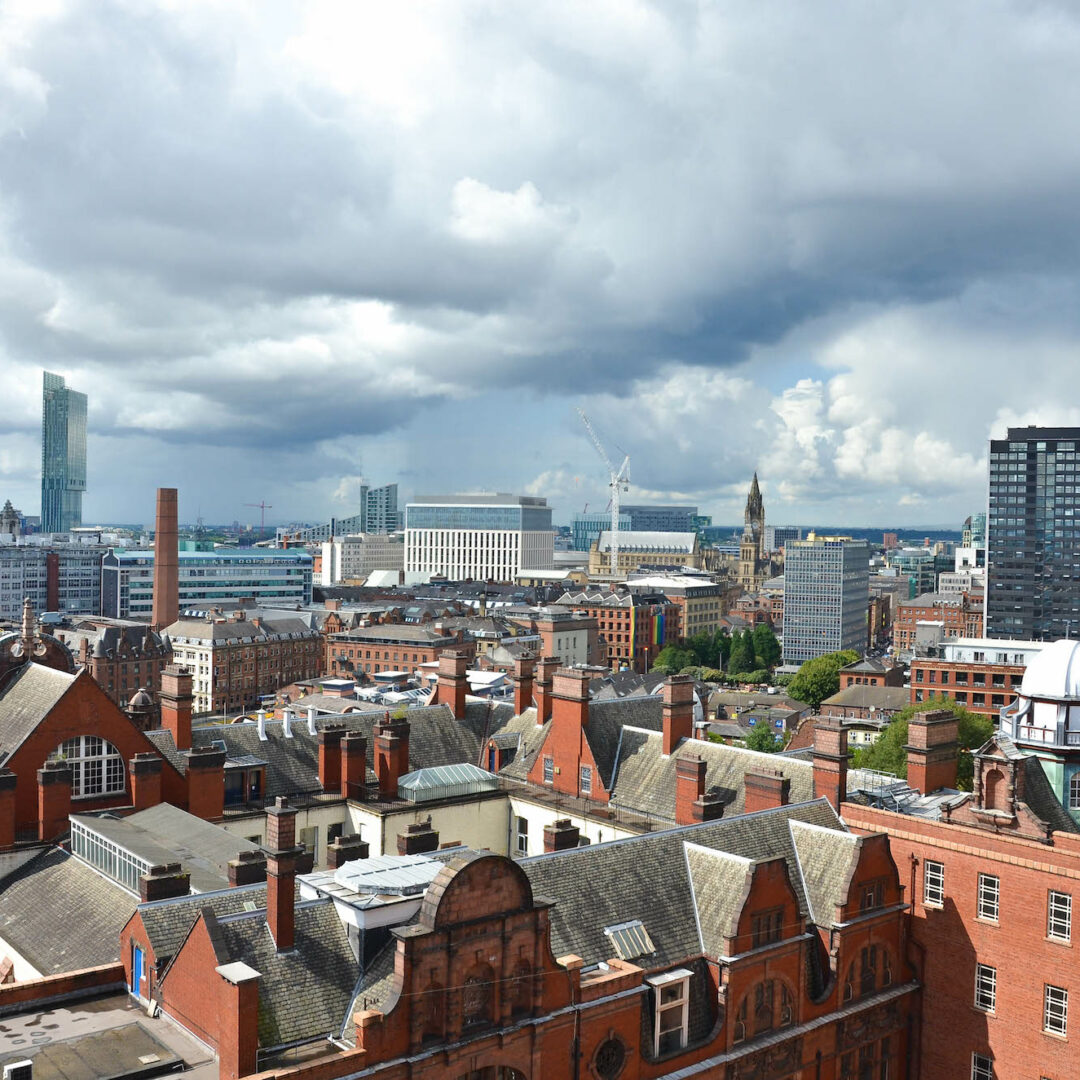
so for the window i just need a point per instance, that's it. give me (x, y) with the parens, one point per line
(671, 994)
(586, 780)
(1074, 791)
(1055, 1010)
(982, 1067)
(989, 897)
(766, 927)
(1059, 916)
(309, 837)
(523, 836)
(96, 766)
(985, 987)
(549, 770)
(933, 883)
(871, 894)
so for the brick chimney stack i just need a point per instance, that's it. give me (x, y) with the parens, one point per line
(830, 760)
(570, 690)
(354, 765)
(542, 688)
(524, 675)
(561, 835)
(932, 751)
(765, 789)
(391, 754)
(692, 804)
(453, 683)
(8, 782)
(330, 757)
(176, 703)
(206, 782)
(54, 799)
(166, 608)
(678, 711)
(281, 855)
(164, 882)
(145, 772)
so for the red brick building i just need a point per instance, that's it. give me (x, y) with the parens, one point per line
(871, 672)
(369, 650)
(981, 688)
(961, 615)
(635, 628)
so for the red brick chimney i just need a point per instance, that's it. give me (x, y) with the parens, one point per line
(176, 704)
(560, 835)
(164, 882)
(281, 854)
(542, 688)
(453, 684)
(8, 782)
(354, 765)
(166, 562)
(345, 849)
(570, 707)
(391, 755)
(54, 799)
(248, 868)
(418, 839)
(830, 760)
(932, 751)
(765, 789)
(678, 711)
(330, 757)
(238, 1017)
(145, 772)
(206, 782)
(692, 805)
(524, 675)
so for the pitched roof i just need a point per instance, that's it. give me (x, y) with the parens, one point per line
(721, 882)
(305, 992)
(607, 719)
(26, 700)
(878, 697)
(827, 859)
(606, 884)
(645, 779)
(61, 915)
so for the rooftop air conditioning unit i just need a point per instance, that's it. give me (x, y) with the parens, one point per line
(19, 1070)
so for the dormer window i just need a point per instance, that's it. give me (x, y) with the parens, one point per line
(671, 1016)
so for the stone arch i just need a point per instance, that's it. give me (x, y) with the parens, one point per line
(995, 790)
(473, 885)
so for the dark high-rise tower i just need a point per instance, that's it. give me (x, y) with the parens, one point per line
(63, 455)
(1033, 535)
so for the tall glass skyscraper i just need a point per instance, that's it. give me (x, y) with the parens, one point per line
(63, 455)
(1033, 535)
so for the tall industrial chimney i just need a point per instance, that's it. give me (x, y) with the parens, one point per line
(166, 561)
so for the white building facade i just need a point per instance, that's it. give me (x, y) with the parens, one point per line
(478, 537)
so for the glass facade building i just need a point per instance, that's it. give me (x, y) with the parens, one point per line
(826, 596)
(208, 580)
(1033, 535)
(63, 455)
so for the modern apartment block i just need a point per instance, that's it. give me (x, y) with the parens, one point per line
(1033, 535)
(478, 537)
(378, 514)
(208, 580)
(63, 455)
(351, 559)
(826, 594)
(779, 536)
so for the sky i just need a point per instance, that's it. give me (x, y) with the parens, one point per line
(283, 246)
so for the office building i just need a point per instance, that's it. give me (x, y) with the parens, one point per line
(350, 559)
(1033, 535)
(207, 580)
(826, 595)
(56, 576)
(478, 537)
(777, 537)
(586, 528)
(63, 455)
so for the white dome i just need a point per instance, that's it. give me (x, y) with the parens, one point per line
(1054, 672)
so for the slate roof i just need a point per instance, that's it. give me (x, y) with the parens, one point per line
(606, 884)
(863, 697)
(607, 719)
(827, 859)
(211, 629)
(436, 738)
(645, 779)
(721, 882)
(61, 915)
(1041, 799)
(303, 993)
(26, 699)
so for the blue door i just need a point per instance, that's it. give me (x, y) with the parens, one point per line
(136, 970)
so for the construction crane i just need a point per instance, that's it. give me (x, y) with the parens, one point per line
(618, 481)
(262, 507)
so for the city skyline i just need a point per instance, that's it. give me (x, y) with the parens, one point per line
(291, 251)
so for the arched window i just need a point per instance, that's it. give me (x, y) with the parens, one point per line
(994, 790)
(96, 766)
(769, 1005)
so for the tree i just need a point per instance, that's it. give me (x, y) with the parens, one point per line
(889, 755)
(705, 648)
(671, 660)
(766, 647)
(819, 678)
(722, 640)
(763, 739)
(742, 654)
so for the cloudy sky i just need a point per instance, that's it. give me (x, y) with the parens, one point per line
(284, 245)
